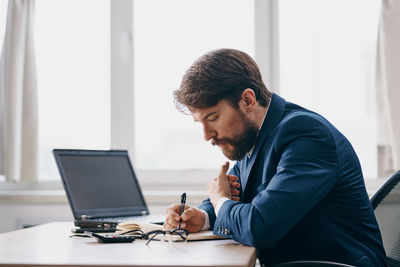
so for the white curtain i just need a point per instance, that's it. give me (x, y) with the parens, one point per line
(388, 87)
(18, 95)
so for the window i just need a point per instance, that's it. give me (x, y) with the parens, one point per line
(72, 41)
(327, 64)
(326, 53)
(168, 37)
(3, 18)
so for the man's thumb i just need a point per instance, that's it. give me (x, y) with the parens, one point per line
(224, 169)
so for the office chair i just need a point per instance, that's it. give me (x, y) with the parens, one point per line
(386, 204)
(311, 264)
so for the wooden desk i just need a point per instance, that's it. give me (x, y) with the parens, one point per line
(50, 244)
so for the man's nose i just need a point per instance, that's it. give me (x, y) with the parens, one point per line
(208, 133)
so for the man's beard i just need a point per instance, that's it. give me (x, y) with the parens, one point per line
(242, 143)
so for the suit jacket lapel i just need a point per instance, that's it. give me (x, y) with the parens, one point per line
(272, 119)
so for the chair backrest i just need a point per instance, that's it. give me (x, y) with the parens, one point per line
(386, 204)
(311, 264)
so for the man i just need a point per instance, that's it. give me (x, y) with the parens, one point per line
(296, 191)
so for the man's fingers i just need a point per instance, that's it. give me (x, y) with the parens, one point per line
(172, 219)
(176, 208)
(235, 192)
(235, 198)
(232, 178)
(173, 212)
(170, 223)
(169, 226)
(189, 213)
(234, 184)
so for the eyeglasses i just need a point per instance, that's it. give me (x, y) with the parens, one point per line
(176, 235)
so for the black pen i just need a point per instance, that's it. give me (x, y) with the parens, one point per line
(183, 201)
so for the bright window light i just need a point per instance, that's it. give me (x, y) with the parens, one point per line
(168, 37)
(72, 41)
(327, 64)
(3, 18)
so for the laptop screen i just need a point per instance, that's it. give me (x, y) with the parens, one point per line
(100, 183)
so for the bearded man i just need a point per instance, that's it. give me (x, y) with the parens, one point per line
(296, 191)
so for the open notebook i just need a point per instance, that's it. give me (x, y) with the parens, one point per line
(147, 227)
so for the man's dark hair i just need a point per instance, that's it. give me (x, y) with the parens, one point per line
(220, 74)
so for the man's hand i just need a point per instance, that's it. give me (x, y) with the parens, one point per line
(192, 218)
(224, 185)
(234, 184)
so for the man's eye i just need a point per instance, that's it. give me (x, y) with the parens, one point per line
(213, 118)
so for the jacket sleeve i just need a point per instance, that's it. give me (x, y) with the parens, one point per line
(208, 207)
(305, 173)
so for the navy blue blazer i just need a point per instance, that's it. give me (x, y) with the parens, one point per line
(302, 194)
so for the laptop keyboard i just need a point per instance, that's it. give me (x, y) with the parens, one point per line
(147, 218)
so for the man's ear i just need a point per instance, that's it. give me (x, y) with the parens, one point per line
(249, 99)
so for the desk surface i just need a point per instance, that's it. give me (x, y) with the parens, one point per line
(50, 244)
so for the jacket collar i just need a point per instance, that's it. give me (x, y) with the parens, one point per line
(271, 121)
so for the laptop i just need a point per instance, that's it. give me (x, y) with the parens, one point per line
(102, 185)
